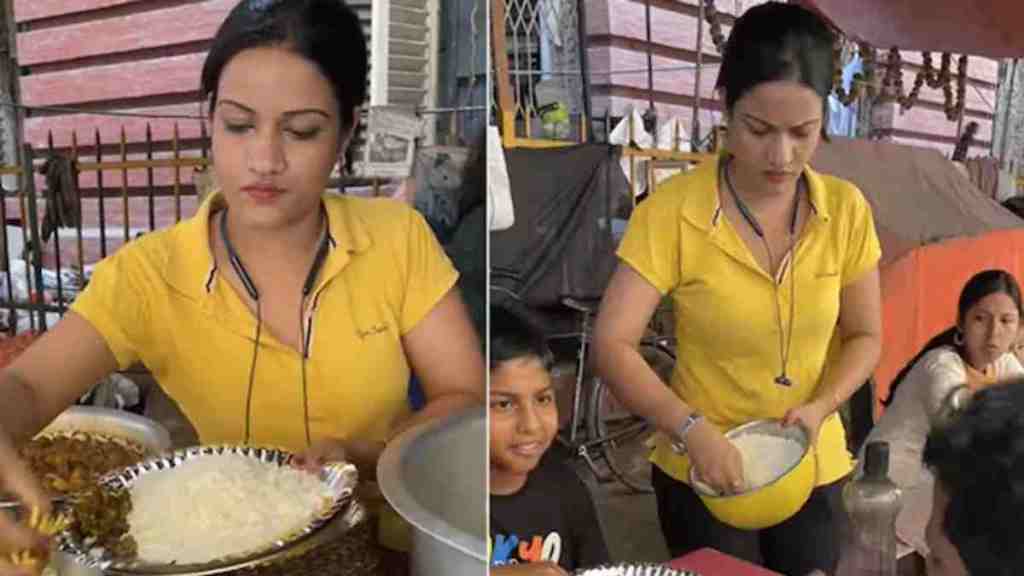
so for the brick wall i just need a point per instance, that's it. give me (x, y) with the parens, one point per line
(617, 35)
(122, 55)
(141, 56)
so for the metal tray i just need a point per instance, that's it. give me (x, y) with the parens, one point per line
(634, 569)
(343, 513)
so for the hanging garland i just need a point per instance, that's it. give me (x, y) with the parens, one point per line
(711, 14)
(864, 80)
(892, 80)
(892, 87)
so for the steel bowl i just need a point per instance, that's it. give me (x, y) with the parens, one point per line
(774, 502)
(435, 476)
(116, 424)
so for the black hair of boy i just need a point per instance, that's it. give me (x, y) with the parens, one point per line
(513, 336)
(978, 460)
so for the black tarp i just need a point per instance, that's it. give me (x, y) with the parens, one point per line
(561, 244)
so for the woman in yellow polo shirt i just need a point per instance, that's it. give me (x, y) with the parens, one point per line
(772, 270)
(279, 314)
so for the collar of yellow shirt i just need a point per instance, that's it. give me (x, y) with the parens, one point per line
(190, 265)
(704, 211)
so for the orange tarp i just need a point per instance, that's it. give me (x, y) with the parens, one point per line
(937, 230)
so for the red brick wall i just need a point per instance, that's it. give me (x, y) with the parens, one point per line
(139, 56)
(142, 56)
(617, 30)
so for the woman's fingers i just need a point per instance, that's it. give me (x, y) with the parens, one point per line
(16, 478)
(19, 541)
(8, 569)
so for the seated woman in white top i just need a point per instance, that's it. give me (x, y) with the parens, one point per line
(970, 356)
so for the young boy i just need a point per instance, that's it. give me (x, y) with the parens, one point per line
(543, 522)
(978, 462)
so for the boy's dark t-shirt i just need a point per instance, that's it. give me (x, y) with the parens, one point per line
(552, 518)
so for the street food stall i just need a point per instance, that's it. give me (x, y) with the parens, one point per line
(936, 228)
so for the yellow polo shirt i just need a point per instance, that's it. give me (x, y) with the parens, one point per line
(724, 302)
(161, 300)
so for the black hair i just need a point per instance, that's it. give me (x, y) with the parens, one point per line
(979, 286)
(325, 32)
(514, 336)
(775, 41)
(978, 460)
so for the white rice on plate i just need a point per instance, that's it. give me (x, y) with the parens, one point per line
(216, 506)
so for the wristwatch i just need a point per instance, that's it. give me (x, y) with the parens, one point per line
(679, 443)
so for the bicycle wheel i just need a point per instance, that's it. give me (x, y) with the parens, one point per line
(626, 437)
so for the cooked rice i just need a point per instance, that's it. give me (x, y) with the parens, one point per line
(766, 457)
(215, 506)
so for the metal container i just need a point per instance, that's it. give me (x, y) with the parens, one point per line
(150, 435)
(435, 476)
(775, 502)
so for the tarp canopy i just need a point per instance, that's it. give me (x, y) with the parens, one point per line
(918, 196)
(937, 230)
(991, 29)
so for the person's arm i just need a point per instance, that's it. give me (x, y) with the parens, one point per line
(626, 309)
(56, 370)
(860, 334)
(44, 380)
(440, 342)
(944, 375)
(444, 352)
(628, 304)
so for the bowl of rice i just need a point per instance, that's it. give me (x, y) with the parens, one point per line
(213, 509)
(780, 471)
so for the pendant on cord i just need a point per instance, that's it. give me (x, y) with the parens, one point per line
(783, 380)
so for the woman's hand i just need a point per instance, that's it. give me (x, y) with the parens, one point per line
(717, 461)
(810, 416)
(363, 453)
(17, 479)
(320, 453)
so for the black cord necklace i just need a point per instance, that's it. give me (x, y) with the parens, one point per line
(785, 337)
(305, 326)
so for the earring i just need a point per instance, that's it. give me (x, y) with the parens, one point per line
(958, 338)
